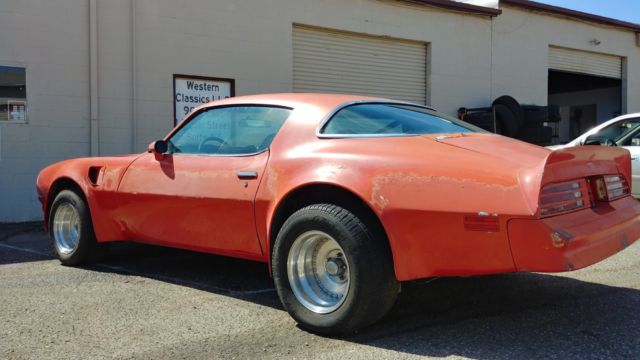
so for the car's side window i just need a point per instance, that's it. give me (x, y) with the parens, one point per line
(618, 129)
(631, 138)
(391, 119)
(233, 130)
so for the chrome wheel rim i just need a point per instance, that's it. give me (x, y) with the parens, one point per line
(66, 228)
(318, 272)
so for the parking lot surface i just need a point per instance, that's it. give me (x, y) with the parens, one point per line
(155, 303)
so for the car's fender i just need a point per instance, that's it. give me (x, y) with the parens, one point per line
(98, 179)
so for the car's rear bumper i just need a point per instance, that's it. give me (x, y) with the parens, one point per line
(592, 235)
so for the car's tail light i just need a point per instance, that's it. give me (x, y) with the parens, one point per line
(564, 197)
(609, 187)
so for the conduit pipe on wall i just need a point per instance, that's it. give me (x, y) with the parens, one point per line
(93, 79)
(134, 79)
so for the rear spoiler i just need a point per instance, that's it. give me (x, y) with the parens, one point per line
(574, 163)
(584, 161)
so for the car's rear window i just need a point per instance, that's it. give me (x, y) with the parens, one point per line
(392, 119)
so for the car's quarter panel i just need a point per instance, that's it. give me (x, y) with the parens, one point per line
(420, 189)
(193, 201)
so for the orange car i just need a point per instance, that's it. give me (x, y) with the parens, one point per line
(345, 197)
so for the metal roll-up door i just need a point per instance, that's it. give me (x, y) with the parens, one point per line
(328, 61)
(584, 62)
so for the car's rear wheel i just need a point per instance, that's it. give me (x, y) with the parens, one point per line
(333, 275)
(71, 229)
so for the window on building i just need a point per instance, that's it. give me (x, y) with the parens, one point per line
(13, 94)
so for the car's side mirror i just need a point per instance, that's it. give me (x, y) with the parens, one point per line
(158, 148)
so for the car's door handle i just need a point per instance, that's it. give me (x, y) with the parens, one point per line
(245, 175)
(634, 158)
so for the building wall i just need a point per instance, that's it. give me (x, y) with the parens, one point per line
(521, 40)
(249, 41)
(142, 43)
(56, 55)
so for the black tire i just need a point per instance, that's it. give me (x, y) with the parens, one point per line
(534, 116)
(515, 108)
(85, 250)
(539, 135)
(506, 121)
(373, 287)
(554, 113)
(481, 119)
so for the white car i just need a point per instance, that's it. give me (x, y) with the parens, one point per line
(623, 131)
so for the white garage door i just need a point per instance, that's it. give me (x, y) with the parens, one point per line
(335, 62)
(584, 62)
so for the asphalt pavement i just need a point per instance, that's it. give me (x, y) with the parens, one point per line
(146, 302)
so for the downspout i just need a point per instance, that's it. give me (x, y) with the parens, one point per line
(491, 64)
(134, 80)
(93, 79)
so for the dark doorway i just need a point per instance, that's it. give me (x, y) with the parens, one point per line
(584, 102)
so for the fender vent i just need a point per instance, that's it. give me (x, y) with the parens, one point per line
(95, 175)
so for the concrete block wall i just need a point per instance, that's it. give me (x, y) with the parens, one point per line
(521, 40)
(251, 42)
(246, 40)
(55, 54)
(142, 43)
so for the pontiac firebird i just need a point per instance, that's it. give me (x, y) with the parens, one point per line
(345, 197)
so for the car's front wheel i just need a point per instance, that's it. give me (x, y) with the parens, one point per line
(332, 273)
(71, 229)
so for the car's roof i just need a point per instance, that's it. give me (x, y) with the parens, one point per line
(326, 102)
(288, 99)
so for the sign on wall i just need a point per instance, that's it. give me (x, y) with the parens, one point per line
(17, 110)
(190, 92)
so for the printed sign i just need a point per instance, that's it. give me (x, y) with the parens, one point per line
(17, 110)
(190, 92)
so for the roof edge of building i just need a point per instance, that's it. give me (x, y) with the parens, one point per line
(457, 6)
(532, 5)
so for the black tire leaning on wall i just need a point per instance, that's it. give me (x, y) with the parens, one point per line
(554, 113)
(541, 135)
(535, 116)
(481, 119)
(515, 108)
(507, 124)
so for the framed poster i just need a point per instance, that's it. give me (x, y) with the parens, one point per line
(191, 91)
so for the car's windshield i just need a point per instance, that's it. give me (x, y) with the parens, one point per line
(392, 119)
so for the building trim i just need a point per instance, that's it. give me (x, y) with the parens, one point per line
(94, 97)
(457, 6)
(556, 10)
